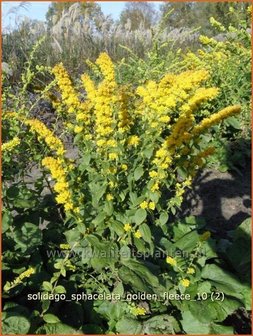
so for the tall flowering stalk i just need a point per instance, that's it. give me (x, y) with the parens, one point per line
(141, 136)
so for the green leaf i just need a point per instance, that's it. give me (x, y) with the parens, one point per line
(133, 197)
(234, 122)
(163, 219)
(141, 270)
(85, 161)
(117, 227)
(57, 328)
(244, 230)
(138, 173)
(50, 318)
(6, 221)
(24, 203)
(140, 216)
(108, 208)
(179, 230)
(140, 245)
(129, 277)
(47, 286)
(99, 218)
(111, 311)
(205, 287)
(97, 191)
(28, 237)
(59, 289)
(128, 326)
(148, 152)
(192, 326)
(119, 289)
(145, 232)
(217, 329)
(161, 324)
(223, 280)
(72, 236)
(188, 242)
(15, 325)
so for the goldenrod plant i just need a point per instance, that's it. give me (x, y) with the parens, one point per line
(110, 229)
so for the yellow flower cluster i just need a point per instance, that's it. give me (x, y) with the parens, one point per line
(65, 246)
(61, 186)
(19, 279)
(43, 133)
(217, 24)
(102, 98)
(127, 227)
(106, 66)
(160, 99)
(147, 205)
(185, 282)
(71, 100)
(215, 118)
(190, 270)
(137, 234)
(133, 140)
(200, 95)
(207, 40)
(109, 197)
(8, 146)
(69, 95)
(171, 261)
(157, 109)
(124, 120)
(181, 187)
(138, 311)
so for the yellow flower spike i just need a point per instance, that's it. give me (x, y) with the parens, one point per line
(106, 66)
(137, 234)
(8, 146)
(69, 95)
(19, 279)
(61, 186)
(171, 261)
(185, 282)
(89, 87)
(42, 132)
(127, 227)
(215, 118)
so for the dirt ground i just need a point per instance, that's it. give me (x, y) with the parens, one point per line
(222, 199)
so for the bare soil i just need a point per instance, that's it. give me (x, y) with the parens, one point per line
(222, 199)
